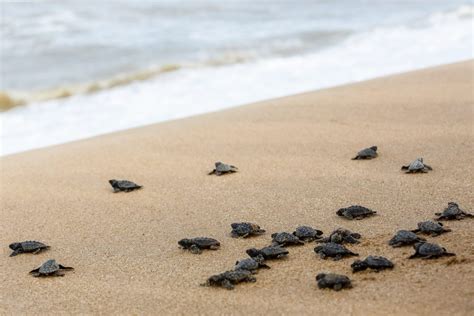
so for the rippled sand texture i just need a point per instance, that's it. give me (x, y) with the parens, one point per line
(295, 168)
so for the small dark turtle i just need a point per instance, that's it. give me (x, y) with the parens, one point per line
(27, 246)
(453, 212)
(341, 235)
(404, 238)
(307, 233)
(270, 252)
(243, 230)
(251, 264)
(431, 228)
(355, 212)
(417, 166)
(196, 245)
(285, 239)
(367, 153)
(429, 251)
(50, 268)
(124, 185)
(376, 263)
(333, 281)
(228, 279)
(222, 168)
(336, 251)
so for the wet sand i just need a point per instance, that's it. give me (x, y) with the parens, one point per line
(294, 159)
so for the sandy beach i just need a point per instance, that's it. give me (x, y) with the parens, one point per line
(293, 154)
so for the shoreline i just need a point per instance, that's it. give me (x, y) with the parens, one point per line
(293, 155)
(226, 108)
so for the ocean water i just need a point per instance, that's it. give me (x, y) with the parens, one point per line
(76, 69)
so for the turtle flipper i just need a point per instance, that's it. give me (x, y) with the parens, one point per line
(413, 256)
(337, 287)
(227, 284)
(65, 268)
(212, 172)
(14, 253)
(195, 250)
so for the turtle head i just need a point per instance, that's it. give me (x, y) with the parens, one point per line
(113, 182)
(358, 265)
(15, 246)
(374, 148)
(419, 159)
(252, 252)
(320, 276)
(184, 243)
(218, 163)
(340, 212)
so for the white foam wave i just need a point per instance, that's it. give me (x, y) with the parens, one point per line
(447, 37)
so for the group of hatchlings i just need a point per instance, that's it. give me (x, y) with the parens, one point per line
(331, 246)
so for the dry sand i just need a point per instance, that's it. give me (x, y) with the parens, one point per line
(294, 156)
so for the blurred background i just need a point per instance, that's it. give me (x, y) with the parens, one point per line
(76, 69)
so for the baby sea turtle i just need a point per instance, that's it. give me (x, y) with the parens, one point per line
(270, 252)
(196, 245)
(124, 185)
(367, 153)
(417, 166)
(376, 263)
(431, 228)
(307, 233)
(453, 212)
(50, 268)
(285, 239)
(405, 237)
(429, 251)
(336, 251)
(341, 235)
(27, 246)
(333, 281)
(355, 212)
(222, 168)
(228, 279)
(244, 229)
(251, 264)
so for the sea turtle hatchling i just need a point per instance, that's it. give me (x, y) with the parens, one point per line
(286, 239)
(229, 279)
(416, 166)
(29, 246)
(307, 233)
(355, 212)
(270, 252)
(251, 264)
(124, 185)
(336, 251)
(333, 281)
(429, 251)
(222, 168)
(376, 263)
(404, 238)
(196, 245)
(367, 153)
(341, 235)
(431, 228)
(453, 212)
(244, 229)
(50, 268)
